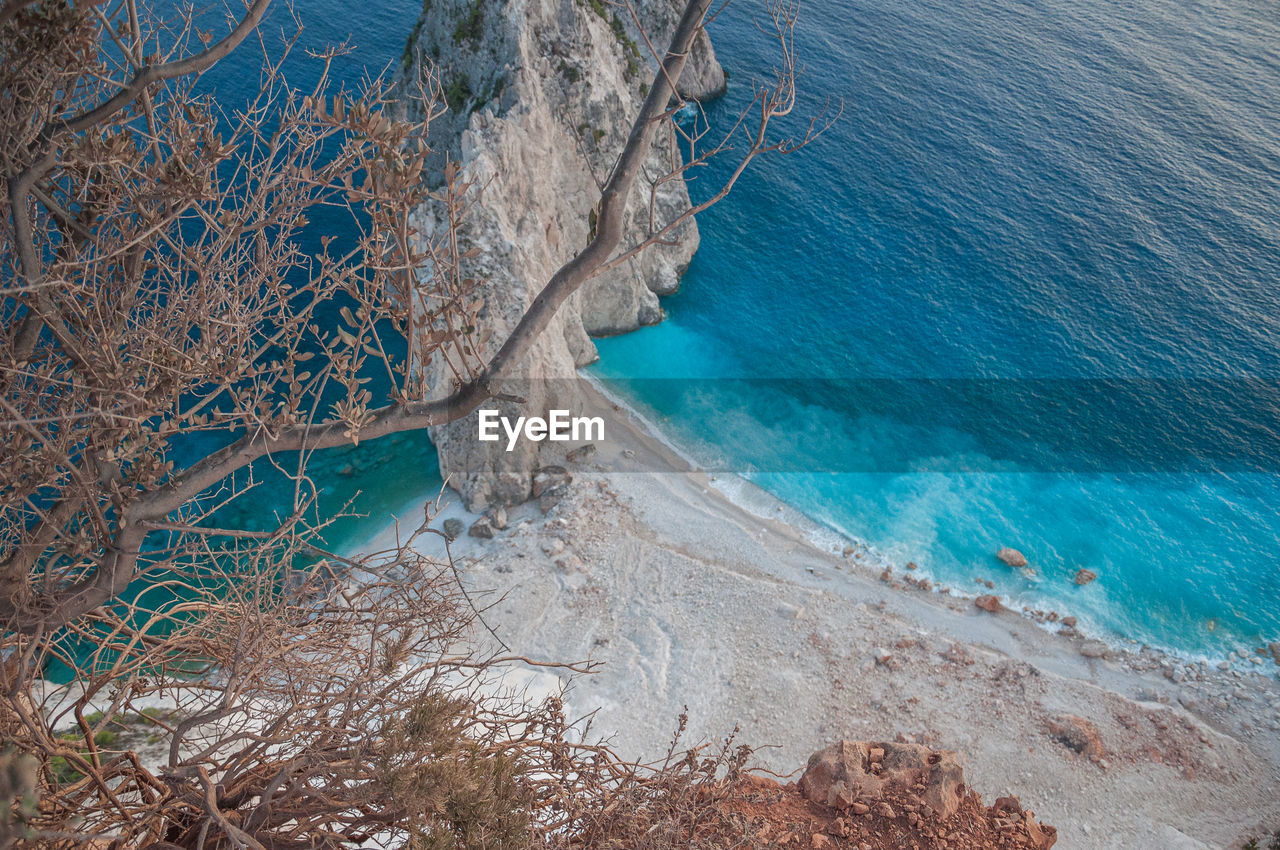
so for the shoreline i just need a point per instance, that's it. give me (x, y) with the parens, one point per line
(689, 597)
(833, 540)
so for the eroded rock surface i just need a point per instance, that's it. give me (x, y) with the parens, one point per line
(849, 771)
(542, 94)
(867, 794)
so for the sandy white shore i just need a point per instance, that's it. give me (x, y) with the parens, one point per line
(688, 599)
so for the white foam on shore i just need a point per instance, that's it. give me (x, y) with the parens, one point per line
(741, 491)
(632, 409)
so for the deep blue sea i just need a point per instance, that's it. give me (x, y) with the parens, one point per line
(1025, 292)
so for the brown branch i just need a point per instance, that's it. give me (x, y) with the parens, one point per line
(116, 568)
(151, 74)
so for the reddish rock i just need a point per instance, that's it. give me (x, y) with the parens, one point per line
(784, 817)
(1041, 837)
(1012, 557)
(1007, 806)
(1083, 577)
(1069, 622)
(1077, 734)
(987, 603)
(842, 771)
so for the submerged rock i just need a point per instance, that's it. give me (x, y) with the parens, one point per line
(1083, 577)
(1012, 557)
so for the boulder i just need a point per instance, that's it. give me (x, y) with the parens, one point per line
(453, 528)
(549, 499)
(1012, 557)
(1083, 577)
(841, 775)
(1077, 734)
(1274, 649)
(482, 528)
(1069, 622)
(549, 478)
(582, 454)
(987, 603)
(1094, 649)
(1039, 837)
(497, 517)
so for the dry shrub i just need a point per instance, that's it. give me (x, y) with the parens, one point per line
(333, 706)
(682, 801)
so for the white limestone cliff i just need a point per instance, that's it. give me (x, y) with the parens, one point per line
(542, 94)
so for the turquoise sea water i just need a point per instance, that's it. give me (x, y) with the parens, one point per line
(1020, 199)
(373, 480)
(1018, 190)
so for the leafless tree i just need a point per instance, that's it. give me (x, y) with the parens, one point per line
(154, 294)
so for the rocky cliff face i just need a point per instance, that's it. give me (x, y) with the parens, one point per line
(542, 94)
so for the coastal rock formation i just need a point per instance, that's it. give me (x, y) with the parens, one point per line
(541, 97)
(453, 528)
